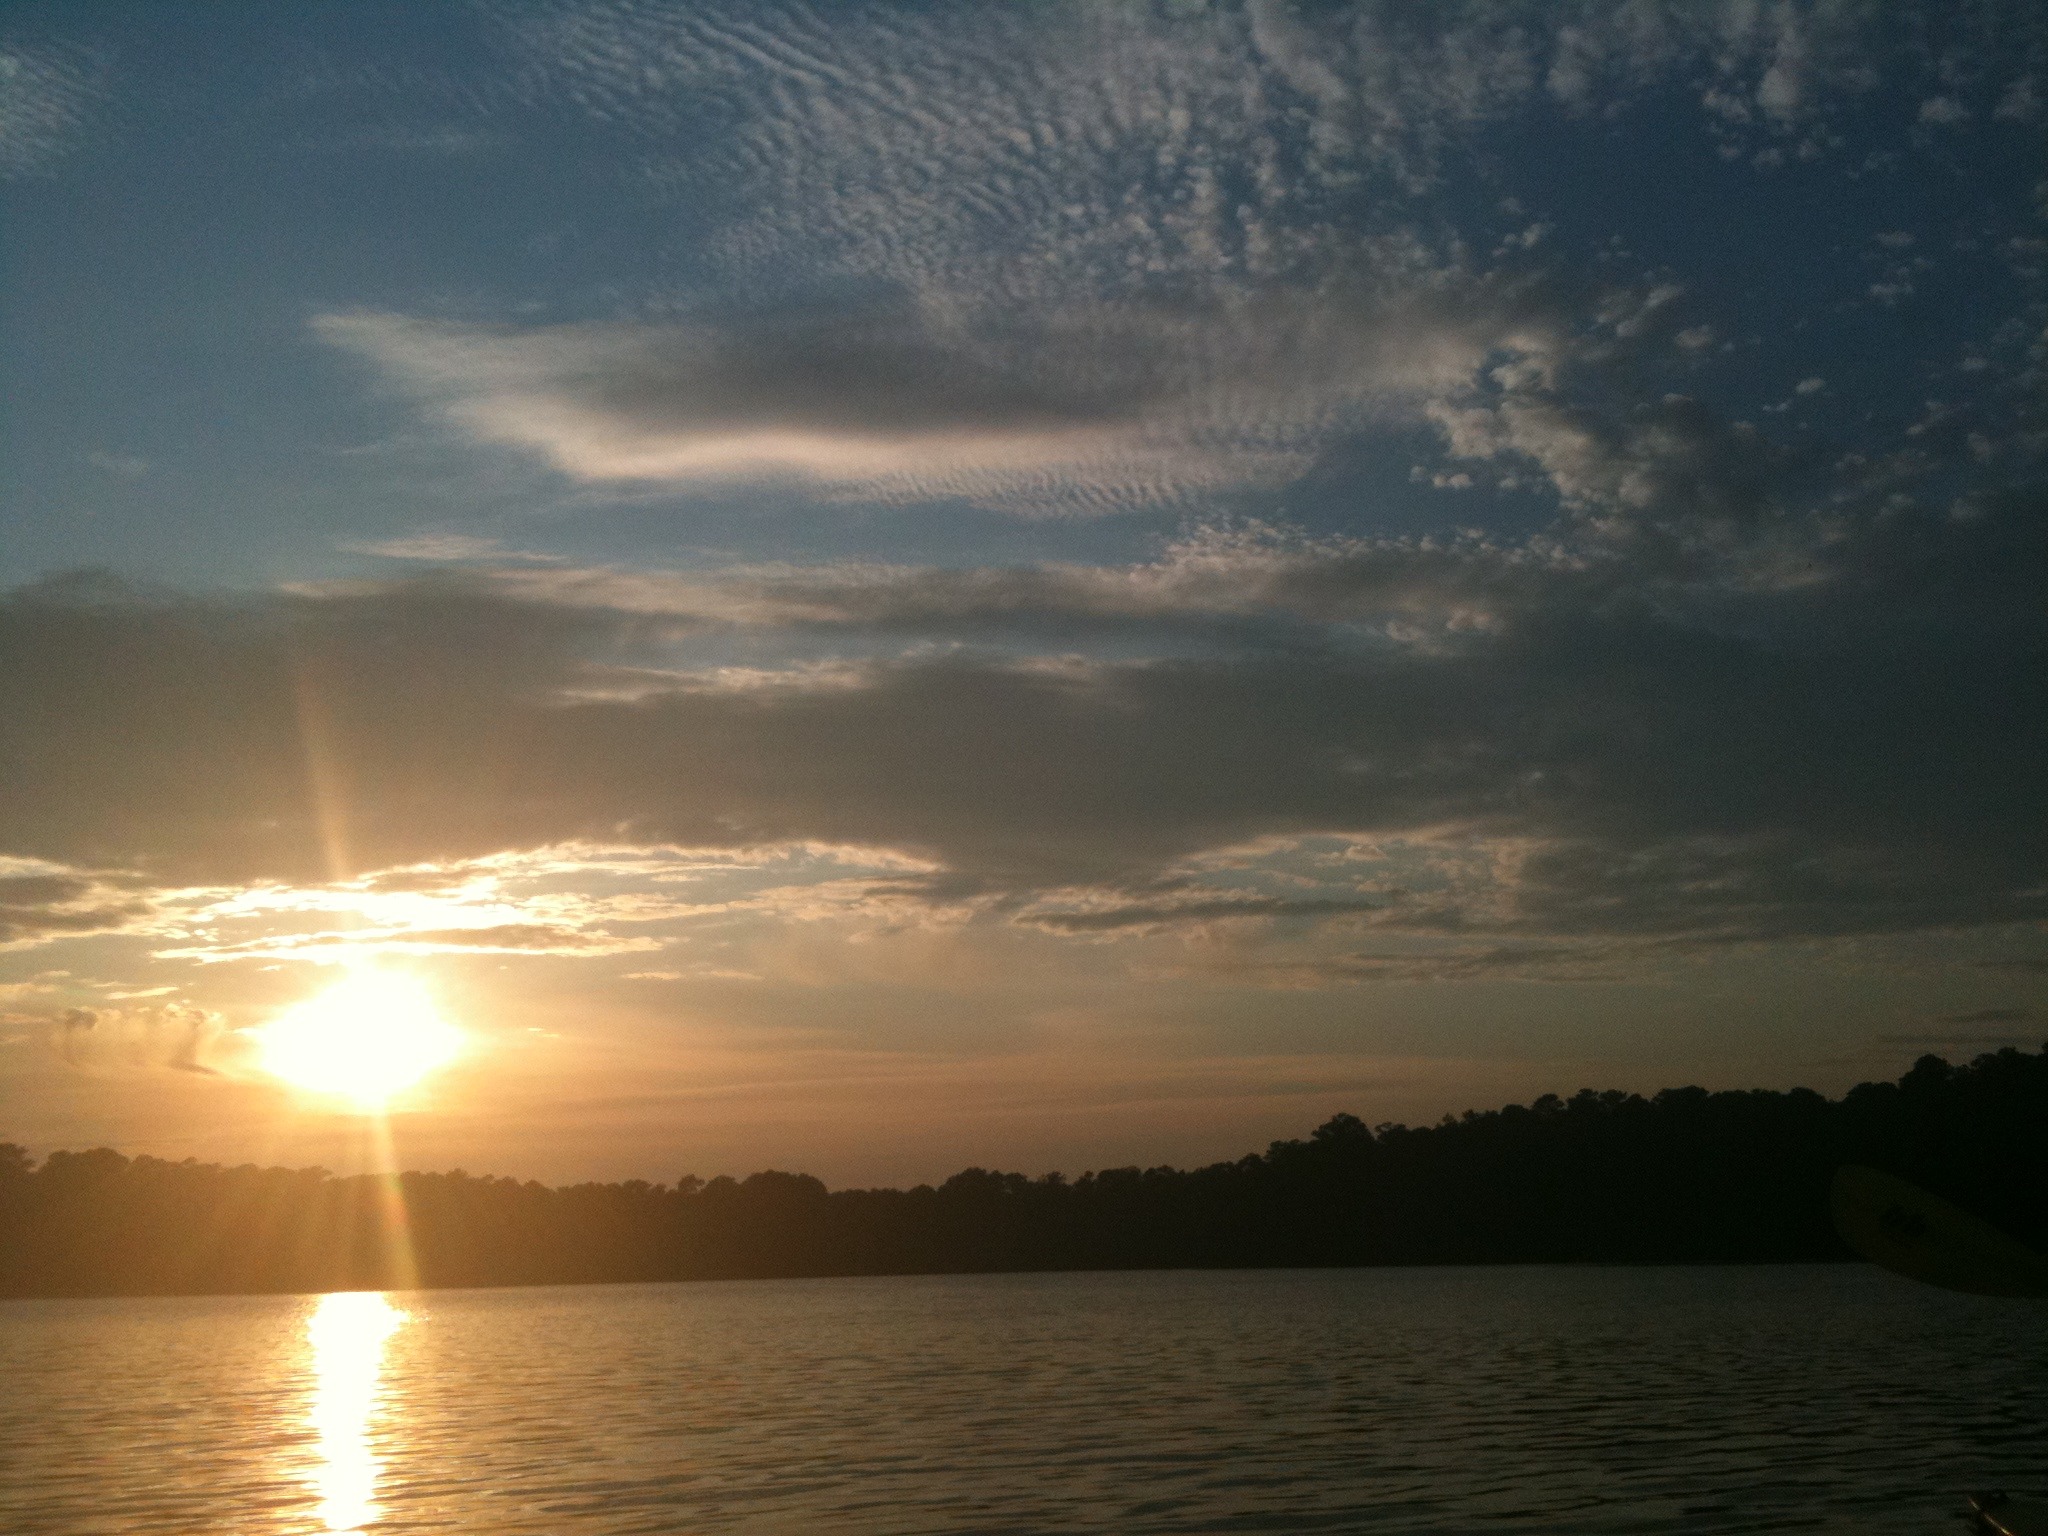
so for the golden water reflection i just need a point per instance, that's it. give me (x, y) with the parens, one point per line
(347, 1333)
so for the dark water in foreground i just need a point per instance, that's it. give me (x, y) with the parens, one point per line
(1456, 1400)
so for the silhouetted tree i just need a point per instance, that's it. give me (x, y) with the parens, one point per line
(1686, 1176)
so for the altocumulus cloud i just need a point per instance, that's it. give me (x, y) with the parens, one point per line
(47, 95)
(1135, 255)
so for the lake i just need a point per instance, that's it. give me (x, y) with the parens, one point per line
(1445, 1400)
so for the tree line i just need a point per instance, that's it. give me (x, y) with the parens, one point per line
(1684, 1176)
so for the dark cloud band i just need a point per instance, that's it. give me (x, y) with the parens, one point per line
(1857, 751)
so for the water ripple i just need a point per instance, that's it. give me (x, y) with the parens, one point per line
(1495, 1400)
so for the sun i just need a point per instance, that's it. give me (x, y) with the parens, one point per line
(370, 1035)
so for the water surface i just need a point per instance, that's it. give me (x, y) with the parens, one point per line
(1445, 1400)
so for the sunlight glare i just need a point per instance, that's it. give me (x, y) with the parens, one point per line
(365, 1038)
(347, 1332)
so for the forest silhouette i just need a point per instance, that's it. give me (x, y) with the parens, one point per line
(1685, 1176)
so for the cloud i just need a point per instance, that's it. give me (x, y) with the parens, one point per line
(176, 1036)
(1132, 258)
(439, 139)
(1117, 912)
(1079, 405)
(47, 94)
(1673, 464)
(2021, 102)
(40, 901)
(844, 402)
(335, 944)
(566, 900)
(1233, 114)
(1785, 737)
(445, 549)
(1232, 582)
(128, 466)
(1552, 963)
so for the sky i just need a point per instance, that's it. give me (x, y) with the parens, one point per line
(872, 588)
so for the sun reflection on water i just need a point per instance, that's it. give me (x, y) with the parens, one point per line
(347, 1332)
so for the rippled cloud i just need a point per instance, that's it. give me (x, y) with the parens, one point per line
(1135, 257)
(48, 93)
